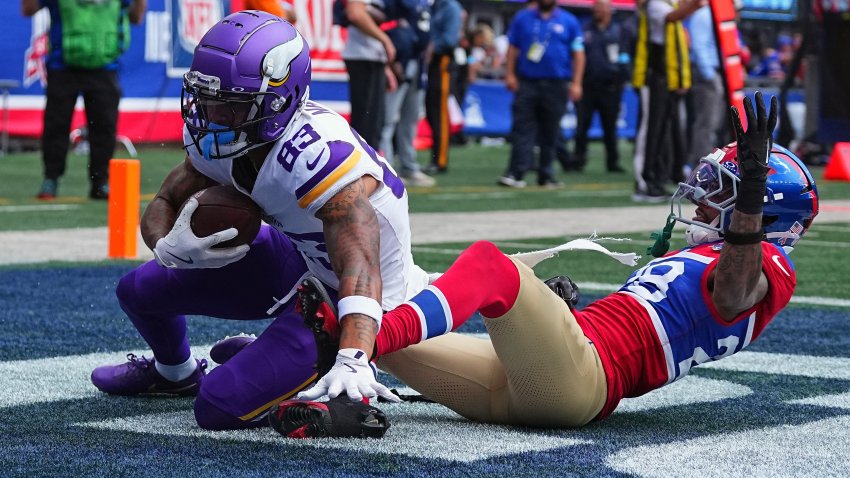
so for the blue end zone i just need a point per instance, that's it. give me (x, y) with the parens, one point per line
(57, 313)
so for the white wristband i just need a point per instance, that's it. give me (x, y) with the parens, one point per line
(358, 304)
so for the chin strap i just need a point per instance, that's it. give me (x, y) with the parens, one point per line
(662, 238)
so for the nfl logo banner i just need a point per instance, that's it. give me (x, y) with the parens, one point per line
(190, 19)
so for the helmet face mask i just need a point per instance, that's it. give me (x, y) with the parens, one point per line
(791, 200)
(711, 184)
(249, 78)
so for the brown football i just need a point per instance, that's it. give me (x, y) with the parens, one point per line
(223, 207)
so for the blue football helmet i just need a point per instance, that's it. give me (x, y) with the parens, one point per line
(790, 201)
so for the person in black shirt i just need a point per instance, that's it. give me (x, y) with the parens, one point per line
(606, 49)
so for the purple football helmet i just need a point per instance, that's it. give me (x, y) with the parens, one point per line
(790, 201)
(249, 77)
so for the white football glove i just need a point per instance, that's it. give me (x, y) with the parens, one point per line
(352, 375)
(182, 249)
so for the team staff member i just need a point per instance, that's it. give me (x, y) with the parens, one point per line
(545, 55)
(446, 23)
(87, 40)
(663, 74)
(607, 51)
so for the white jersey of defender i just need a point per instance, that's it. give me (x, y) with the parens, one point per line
(318, 155)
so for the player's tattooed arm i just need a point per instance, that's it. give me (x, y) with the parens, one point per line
(160, 214)
(739, 282)
(353, 238)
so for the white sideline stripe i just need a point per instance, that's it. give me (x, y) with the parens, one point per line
(785, 364)
(418, 430)
(39, 207)
(23, 382)
(817, 448)
(828, 228)
(838, 400)
(829, 301)
(827, 244)
(690, 389)
(515, 193)
(820, 301)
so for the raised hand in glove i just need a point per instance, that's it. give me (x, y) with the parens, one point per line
(754, 147)
(351, 375)
(182, 249)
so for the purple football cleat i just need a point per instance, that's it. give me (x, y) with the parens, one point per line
(226, 348)
(138, 376)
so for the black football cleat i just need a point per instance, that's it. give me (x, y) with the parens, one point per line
(320, 316)
(336, 418)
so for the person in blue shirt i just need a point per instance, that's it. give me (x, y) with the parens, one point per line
(607, 50)
(706, 94)
(87, 40)
(545, 56)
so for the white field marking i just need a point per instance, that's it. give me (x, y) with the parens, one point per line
(818, 448)
(828, 228)
(511, 194)
(418, 429)
(470, 196)
(688, 390)
(820, 301)
(828, 301)
(838, 400)
(785, 364)
(39, 207)
(827, 244)
(23, 382)
(765, 362)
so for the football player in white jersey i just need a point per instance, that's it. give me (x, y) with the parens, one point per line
(549, 365)
(337, 212)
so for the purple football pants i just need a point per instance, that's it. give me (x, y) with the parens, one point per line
(278, 364)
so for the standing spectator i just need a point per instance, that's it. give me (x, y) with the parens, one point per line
(482, 55)
(606, 47)
(367, 53)
(410, 37)
(663, 73)
(446, 22)
(86, 43)
(281, 8)
(706, 96)
(546, 53)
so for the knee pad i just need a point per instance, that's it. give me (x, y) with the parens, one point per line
(210, 417)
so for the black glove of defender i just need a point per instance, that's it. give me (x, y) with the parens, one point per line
(564, 288)
(754, 147)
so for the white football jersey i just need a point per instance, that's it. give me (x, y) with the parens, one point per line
(318, 155)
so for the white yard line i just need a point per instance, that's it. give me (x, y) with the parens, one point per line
(39, 207)
(90, 244)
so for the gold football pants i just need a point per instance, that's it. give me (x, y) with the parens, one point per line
(538, 369)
